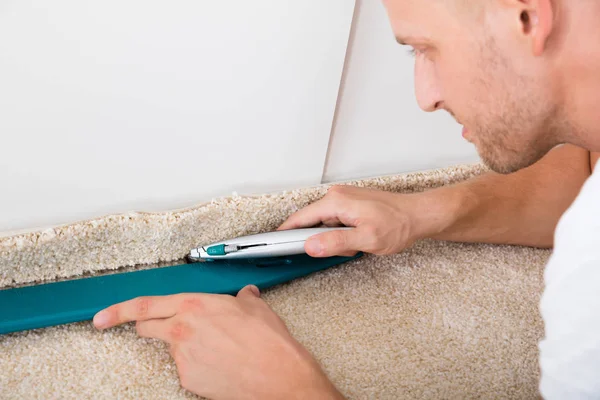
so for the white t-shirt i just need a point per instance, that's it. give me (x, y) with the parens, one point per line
(570, 305)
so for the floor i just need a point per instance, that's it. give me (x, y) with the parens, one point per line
(438, 321)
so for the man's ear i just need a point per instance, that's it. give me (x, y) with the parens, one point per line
(537, 20)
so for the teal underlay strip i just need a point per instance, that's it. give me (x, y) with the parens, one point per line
(40, 306)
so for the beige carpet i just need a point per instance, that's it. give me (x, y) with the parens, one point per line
(438, 321)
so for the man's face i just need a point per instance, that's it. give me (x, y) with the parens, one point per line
(476, 64)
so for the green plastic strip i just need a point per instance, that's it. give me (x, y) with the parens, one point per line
(40, 306)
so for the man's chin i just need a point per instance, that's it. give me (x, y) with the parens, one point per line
(497, 162)
(499, 168)
(506, 167)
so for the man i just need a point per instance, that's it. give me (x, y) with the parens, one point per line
(523, 77)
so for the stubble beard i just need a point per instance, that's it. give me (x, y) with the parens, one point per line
(519, 126)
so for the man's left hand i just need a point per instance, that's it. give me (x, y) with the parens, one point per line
(226, 347)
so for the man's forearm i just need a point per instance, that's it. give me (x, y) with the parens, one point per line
(521, 208)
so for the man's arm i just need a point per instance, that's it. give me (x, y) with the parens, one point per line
(594, 157)
(521, 208)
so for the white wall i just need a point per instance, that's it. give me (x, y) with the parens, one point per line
(129, 105)
(379, 128)
(121, 105)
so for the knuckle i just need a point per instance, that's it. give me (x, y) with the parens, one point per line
(179, 331)
(192, 304)
(142, 307)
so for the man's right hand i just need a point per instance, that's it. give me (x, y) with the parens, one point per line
(385, 222)
(522, 208)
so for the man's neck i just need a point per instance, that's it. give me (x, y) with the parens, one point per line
(582, 76)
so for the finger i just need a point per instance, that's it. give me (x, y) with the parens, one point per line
(333, 222)
(334, 243)
(153, 328)
(178, 329)
(138, 309)
(249, 291)
(310, 215)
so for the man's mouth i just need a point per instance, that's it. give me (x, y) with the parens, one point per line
(466, 134)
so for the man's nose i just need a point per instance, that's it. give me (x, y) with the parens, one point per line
(427, 91)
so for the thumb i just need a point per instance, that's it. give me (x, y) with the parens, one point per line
(249, 291)
(334, 243)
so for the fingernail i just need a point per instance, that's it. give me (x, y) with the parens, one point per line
(314, 246)
(101, 319)
(255, 290)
